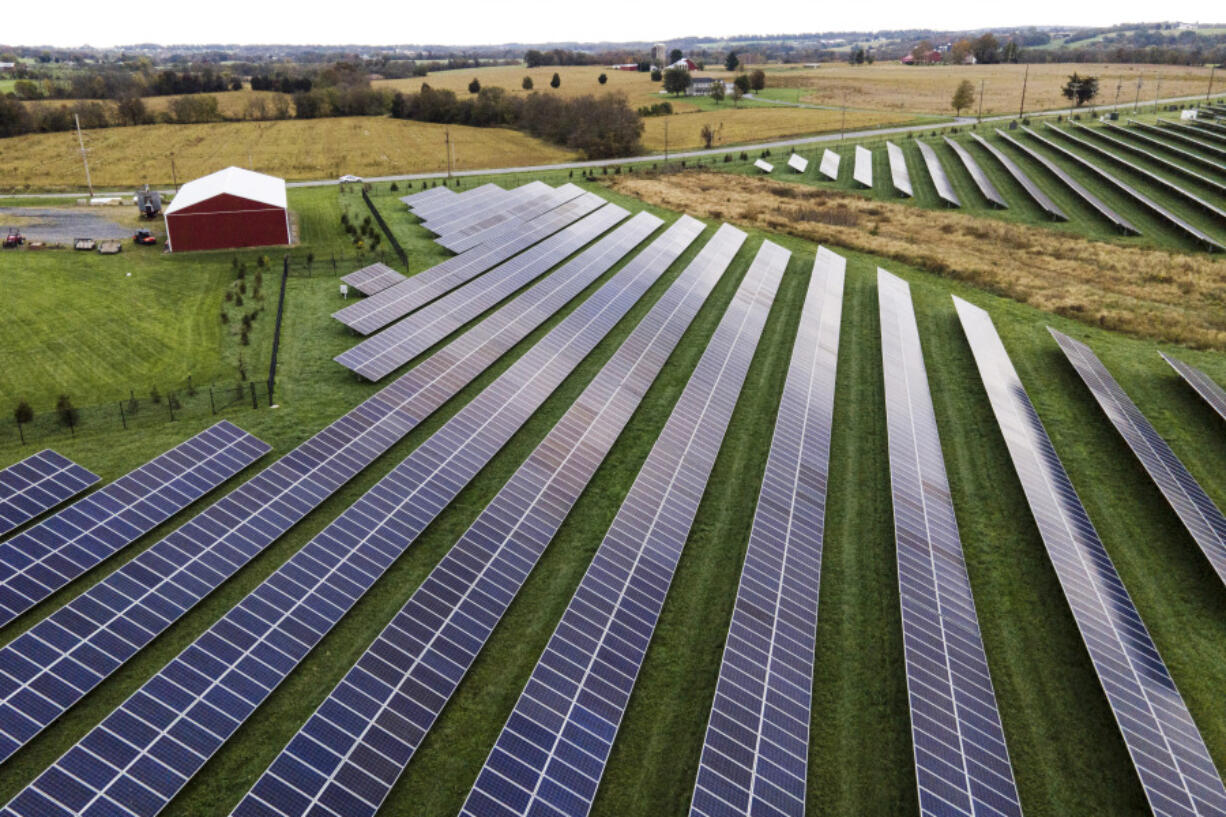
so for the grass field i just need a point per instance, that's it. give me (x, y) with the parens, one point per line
(739, 125)
(232, 104)
(292, 149)
(1066, 749)
(928, 89)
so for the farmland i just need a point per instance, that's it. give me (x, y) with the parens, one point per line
(739, 125)
(1063, 743)
(293, 149)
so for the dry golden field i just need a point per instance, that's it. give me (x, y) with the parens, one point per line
(293, 149)
(1161, 295)
(740, 125)
(233, 104)
(928, 89)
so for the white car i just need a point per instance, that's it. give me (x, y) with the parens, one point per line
(350, 178)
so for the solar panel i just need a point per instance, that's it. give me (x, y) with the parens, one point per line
(37, 484)
(981, 179)
(512, 219)
(395, 302)
(1037, 195)
(372, 279)
(798, 163)
(1072, 184)
(1195, 509)
(961, 762)
(178, 718)
(755, 753)
(945, 190)
(830, 165)
(898, 169)
(48, 669)
(488, 209)
(1210, 392)
(41, 559)
(429, 209)
(425, 196)
(1169, 134)
(1162, 181)
(1168, 753)
(451, 615)
(1131, 191)
(862, 171)
(1152, 157)
(1209, 131)
(438, 220)
(763, 165)
(1183, 153)
(383, 353)
(551, 753)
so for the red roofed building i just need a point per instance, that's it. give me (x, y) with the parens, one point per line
(228, 209)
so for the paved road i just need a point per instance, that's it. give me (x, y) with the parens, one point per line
(824, 138)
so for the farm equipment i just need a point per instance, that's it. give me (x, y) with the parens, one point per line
(110, 246)
(14, 239)
(85, 244)
(145, 237)
(149, 202)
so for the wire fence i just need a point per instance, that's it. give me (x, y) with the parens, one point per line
(139, 410)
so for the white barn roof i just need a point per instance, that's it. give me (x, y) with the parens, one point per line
(236, 181)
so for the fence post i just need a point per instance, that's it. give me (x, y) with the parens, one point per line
(21, 434)
(170, 405)
(122, 418)
(254, 404)
(212, 405)
(276, 338)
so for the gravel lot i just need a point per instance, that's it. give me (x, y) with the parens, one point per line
(61, 226)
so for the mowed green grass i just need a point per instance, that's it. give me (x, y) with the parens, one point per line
(1066, 749)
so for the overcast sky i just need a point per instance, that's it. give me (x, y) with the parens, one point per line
(378, 22)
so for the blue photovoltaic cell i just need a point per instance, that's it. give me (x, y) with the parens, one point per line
(1166, 747)
(1195, 509)
(1037, 195)
(381, 354)
(945, 190)
(399, 300)
(37, 484)
(42, 559)
(1150, 156)
(961, 762)
(405, 678)
(201, 697)
(1210, 392)
(1072, 184)
(980, 178)
(50, 668)
(898, 169)
(755, 753)
(553, 749)
(372, 279)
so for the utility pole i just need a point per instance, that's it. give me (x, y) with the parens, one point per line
(1119, 86)
(1076, 86)
(84, 159)
(843, 124)
(1021, 111)
(174, 177)
(1136, 102)
(447, 138)
(1209, 90)
(665, 141)
(1157, 94)
(979, 118)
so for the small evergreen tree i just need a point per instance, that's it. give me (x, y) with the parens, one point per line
(732, 61)
(602, 79)
(474, 87)
(556, 82)
(527, 84)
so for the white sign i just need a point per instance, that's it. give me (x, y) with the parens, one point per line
(764, 166)
(798, 163)
(345, 291)
(830, 165)
(1188, 114)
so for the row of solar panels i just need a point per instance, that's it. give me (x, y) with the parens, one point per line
(145, 751)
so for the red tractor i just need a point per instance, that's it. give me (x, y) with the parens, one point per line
(14, 239)
(144, 237)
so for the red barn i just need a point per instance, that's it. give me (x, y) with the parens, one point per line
(227, 209)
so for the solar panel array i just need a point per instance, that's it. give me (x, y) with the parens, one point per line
(397, 301)
(372, 279)
(1183, 138)
(798, 163)
(41, 559)
(945, 190)
(830, 165)
(1183, 153)
(348, 755)
(755, 753)
(1210, 392)
(1072, 184)
(980, 178)
(383, 353)
(37, 484)
(48, 669)
(1037, 195)
(898, 169)
(438, 219)
(961, 762)
(477, 213)
(1162, 181)
(512, 219)
(551, 753)
(1168, 753)
(1195, 509)
(1152, 157)
(862, 171)
(1212, 128)
(176, 720)
(426, 197)
(1201, 130)
(1132, 192)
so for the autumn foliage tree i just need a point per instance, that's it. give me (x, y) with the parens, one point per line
(964, 96)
